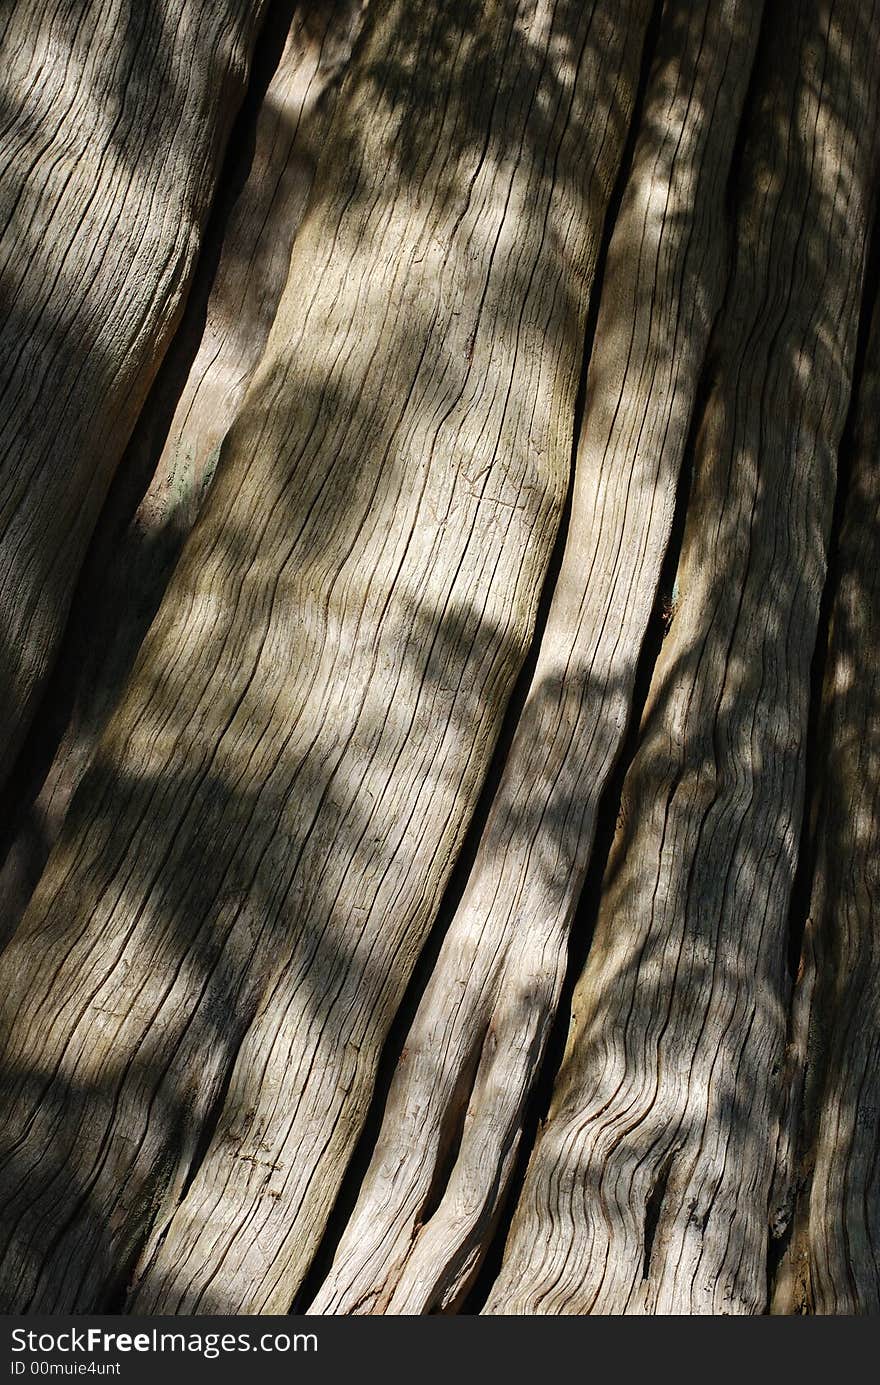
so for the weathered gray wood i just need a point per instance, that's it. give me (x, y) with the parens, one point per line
(650, 1186)
(471, 1056)
(249, 869)
(788, 1257)
(113, 120)
(837, 1253)
(223, 333)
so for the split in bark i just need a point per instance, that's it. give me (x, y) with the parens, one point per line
(430, 494)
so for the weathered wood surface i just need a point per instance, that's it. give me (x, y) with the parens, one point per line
(454, 1114)
(230, 310)
(113, 121)
(249, 868)
(649, 1187)
(836, 1265)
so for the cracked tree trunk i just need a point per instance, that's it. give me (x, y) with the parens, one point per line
(461, 1085)
(223, 333)
(649, 1188)
(834, 1263)
(113, 121)
(337, 656)
(226, 921)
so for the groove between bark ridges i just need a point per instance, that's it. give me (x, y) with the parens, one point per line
(467, 855)
(103, 215)
(633, 1075)
(523, 920)
(814, 928)
(607, 821)
(653, 1208)
(167, 468)
(296, 981)
(269, 748)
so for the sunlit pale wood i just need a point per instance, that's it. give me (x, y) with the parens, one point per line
(649, 1189)
(427, 1204)
(113, 121)
(249, 868)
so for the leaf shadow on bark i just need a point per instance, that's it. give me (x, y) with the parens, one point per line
(166, 470)
(92, 279)
(646, 1086)
(161, 921)
(825, 1260)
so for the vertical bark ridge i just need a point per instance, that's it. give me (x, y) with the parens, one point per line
(675, 1051)
(788, 1268)
(250, 866)
(465, 859)
(168, 465)
(113, 121)
(834, 1264)
(499, 973)
(607, 817)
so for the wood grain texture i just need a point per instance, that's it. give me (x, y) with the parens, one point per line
(649, 1189)
(113, 120)
(175, 443)
(249, 868)
(454, 1115)
(837, 1261)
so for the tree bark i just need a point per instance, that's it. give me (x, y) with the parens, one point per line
(649, 1188)
(112, 127)
(176, 441)
(833, 1266)
(454, 1116)
(247, 873)
(356, 729)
